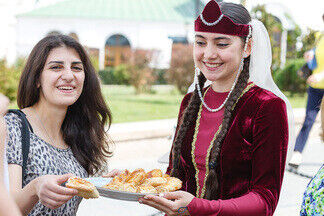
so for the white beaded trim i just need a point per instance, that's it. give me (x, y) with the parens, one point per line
(208, 23)
(235, 81)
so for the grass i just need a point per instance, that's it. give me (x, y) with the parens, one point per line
(297, 100)
(164, 103)
(126, 106)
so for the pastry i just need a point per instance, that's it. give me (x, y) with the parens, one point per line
(138, 181)
(86, 189)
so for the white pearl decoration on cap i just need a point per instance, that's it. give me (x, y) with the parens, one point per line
(197, 71)
(208, 23)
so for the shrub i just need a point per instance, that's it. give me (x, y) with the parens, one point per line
(107, 76)
(140, 74)
(288, 80)
(121, 74)
(9, 78)
(136, 72)
(160, 76)
(181, 70)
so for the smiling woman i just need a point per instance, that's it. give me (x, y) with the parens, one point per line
(227, 131)
(59, 93)
(217, 56)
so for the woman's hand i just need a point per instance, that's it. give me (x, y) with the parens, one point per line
(172, 203)
(112, 173)
(315, 78)
(50, 192)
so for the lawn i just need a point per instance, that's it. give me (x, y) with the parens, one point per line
(164, 103)
(126, 106)
(298, 100)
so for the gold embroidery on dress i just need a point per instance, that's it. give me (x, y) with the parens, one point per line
(193, 144)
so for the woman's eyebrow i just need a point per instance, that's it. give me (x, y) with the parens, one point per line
(216, 38)
(77, 62)
(200, 36)
(55, 62)
(62, 62)
(221, 38)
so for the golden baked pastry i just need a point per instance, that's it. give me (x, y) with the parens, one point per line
(140, 182)
(165, 176)
(172, 184)
(129, 187)
(113, 187)
(146, 189)
(136, 178)
(86, 189)
(154, 173)
(124, 175)
(156, 181)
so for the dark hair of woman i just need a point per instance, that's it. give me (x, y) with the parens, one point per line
(239, 15)
(85, 120)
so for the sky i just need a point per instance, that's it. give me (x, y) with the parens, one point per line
(305, 13)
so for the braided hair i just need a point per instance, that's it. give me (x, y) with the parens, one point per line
(240, 15)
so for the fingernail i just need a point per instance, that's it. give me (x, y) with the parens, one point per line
(140, 201)
(145, 197)
(161, 195)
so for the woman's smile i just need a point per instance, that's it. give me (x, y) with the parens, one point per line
(212, 66)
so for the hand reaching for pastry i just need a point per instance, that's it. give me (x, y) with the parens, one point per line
(50, 192)
(171, 203)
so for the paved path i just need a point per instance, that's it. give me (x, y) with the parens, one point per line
(144, 152)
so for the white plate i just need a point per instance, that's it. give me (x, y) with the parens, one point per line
(113, 194)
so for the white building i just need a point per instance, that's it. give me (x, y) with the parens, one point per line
(143, 24)
(8, 22)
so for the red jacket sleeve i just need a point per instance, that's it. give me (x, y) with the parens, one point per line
(270, 138)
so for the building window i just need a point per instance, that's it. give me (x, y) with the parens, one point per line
(117, 48)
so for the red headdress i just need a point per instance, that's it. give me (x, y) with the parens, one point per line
(212, 20)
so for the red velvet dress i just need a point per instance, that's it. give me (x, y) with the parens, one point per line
(252, 158)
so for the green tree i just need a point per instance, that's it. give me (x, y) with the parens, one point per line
(274, 28)
(308, 41)
(9, 78)
(292, 39)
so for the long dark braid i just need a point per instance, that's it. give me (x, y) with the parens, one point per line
(186, 122)
(212, 181)
(238, 14)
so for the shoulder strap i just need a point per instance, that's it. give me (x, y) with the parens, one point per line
(25, 138)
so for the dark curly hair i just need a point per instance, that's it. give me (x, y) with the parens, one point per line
(240, 15)
(85, 120)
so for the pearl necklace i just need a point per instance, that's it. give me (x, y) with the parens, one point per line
(197, 71)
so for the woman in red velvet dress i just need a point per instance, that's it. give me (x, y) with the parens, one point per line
(231, 140)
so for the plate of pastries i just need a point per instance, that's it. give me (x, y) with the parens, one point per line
(131, 186)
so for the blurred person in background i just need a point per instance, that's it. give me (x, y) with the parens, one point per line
(7, 204)
(315, 92)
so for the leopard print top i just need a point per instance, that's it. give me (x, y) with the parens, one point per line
(43, 159)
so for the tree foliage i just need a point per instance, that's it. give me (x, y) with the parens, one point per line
(9, 78)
